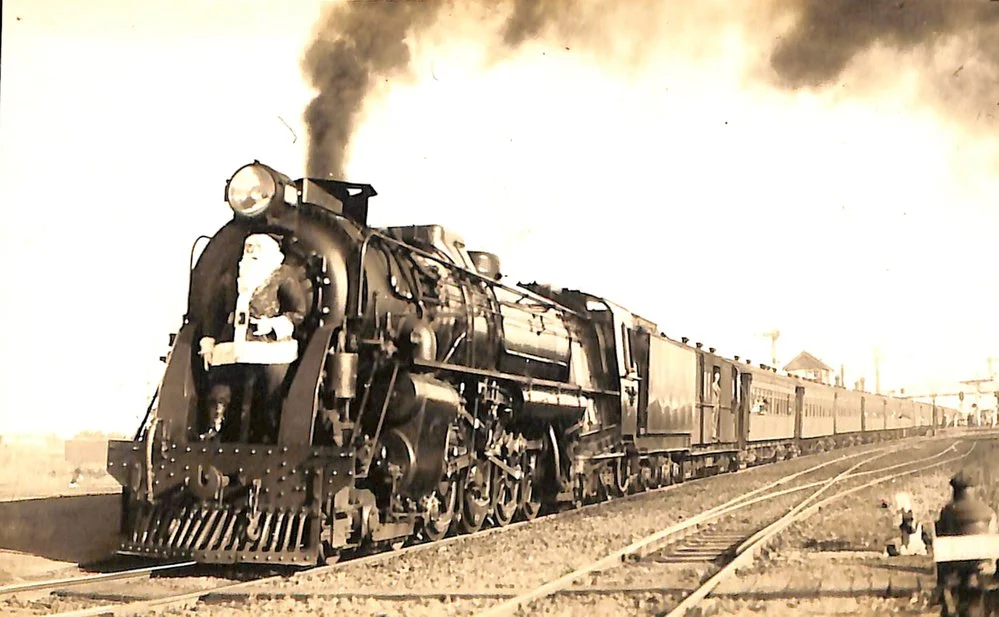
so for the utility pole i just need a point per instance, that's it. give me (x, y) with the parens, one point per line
(877, 371)
(773, 336)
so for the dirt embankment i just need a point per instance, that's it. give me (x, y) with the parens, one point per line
(49, 467)
(58, 505)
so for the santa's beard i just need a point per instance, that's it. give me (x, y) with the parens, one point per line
(254, 272)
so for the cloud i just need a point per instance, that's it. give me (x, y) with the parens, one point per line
(953, 47)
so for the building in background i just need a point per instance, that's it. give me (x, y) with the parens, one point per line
(809, 367)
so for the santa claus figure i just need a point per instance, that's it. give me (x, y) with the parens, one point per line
(270, 304)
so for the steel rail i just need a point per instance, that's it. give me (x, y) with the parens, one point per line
(746, 552)
(654, 541)
(76, 581)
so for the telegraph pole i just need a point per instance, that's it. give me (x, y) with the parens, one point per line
(773, 336)
(877, 371)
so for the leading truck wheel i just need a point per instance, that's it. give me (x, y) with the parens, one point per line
(439, 509)
(327, 554)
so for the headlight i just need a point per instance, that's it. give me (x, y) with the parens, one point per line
(251, 190)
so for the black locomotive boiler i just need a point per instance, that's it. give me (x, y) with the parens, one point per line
(335, 386)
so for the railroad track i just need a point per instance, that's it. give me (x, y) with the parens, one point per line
(713, 540)
(722, 547)
(52, 585)
(748, 550)
(716, 542)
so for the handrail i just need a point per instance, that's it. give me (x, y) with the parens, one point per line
(190, 272)
(524, 293)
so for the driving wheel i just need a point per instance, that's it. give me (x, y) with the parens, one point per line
(475, 498)
(506, 496)
(530, 504)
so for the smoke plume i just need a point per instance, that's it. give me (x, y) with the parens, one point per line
(529, 18)
(360, 43)
(356, 43)
(955, 43)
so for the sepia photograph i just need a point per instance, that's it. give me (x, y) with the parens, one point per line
(497, 308)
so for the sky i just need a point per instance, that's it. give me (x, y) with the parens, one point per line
(661, 166)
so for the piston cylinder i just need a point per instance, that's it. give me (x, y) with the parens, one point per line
(421, 409)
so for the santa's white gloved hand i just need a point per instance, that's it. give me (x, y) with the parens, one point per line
(262, 326)
(207, 345)
(282, 327)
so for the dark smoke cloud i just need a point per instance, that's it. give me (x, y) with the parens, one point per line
(357, 43)
(829, 34)
(361, 42)
(529, 19)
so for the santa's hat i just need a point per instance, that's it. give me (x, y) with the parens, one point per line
(262, 245)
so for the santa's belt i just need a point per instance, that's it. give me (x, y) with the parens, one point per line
(254, 352)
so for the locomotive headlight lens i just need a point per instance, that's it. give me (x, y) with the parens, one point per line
(251, 190)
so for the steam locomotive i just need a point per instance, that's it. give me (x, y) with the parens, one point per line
(336, 387)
